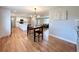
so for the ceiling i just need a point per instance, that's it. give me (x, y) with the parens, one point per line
(29, 10)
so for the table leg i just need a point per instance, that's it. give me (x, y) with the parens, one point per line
(34, 35)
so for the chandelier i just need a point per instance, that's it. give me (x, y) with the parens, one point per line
(36, 17)
(35, 13)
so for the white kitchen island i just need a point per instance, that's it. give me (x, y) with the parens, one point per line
(23, 26)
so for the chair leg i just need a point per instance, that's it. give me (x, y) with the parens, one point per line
(34, 37)
(42, 36)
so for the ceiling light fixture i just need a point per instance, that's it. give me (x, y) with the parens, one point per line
(35, 13)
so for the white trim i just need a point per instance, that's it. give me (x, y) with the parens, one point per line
(63, 39)
(5, 35)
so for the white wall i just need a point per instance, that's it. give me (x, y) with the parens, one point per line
(61, 27)
(5, 22)
(64, 29)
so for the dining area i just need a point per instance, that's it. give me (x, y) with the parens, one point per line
(37, 32)
(35, 26)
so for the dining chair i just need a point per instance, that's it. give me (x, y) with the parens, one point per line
(38, 32)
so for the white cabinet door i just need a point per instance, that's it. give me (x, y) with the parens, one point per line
(58, 14)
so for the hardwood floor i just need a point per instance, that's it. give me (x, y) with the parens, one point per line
(19, 42)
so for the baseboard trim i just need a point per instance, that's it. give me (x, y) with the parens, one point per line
(63, 39)
(5, 36)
